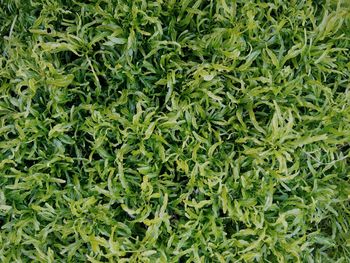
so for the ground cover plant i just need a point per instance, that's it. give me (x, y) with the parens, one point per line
(174, 131)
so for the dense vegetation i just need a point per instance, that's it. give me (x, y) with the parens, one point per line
(174, 131)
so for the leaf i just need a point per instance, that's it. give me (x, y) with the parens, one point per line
(115, 41)
(150, 130)
(273, 58)
(53, 47)
(61, 81)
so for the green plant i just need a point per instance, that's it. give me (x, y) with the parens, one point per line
(174, 131)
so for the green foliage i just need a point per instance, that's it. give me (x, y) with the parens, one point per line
(174, 131)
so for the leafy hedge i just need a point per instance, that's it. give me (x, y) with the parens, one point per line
(174, 131)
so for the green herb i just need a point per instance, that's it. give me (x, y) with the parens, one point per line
(174, 131)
